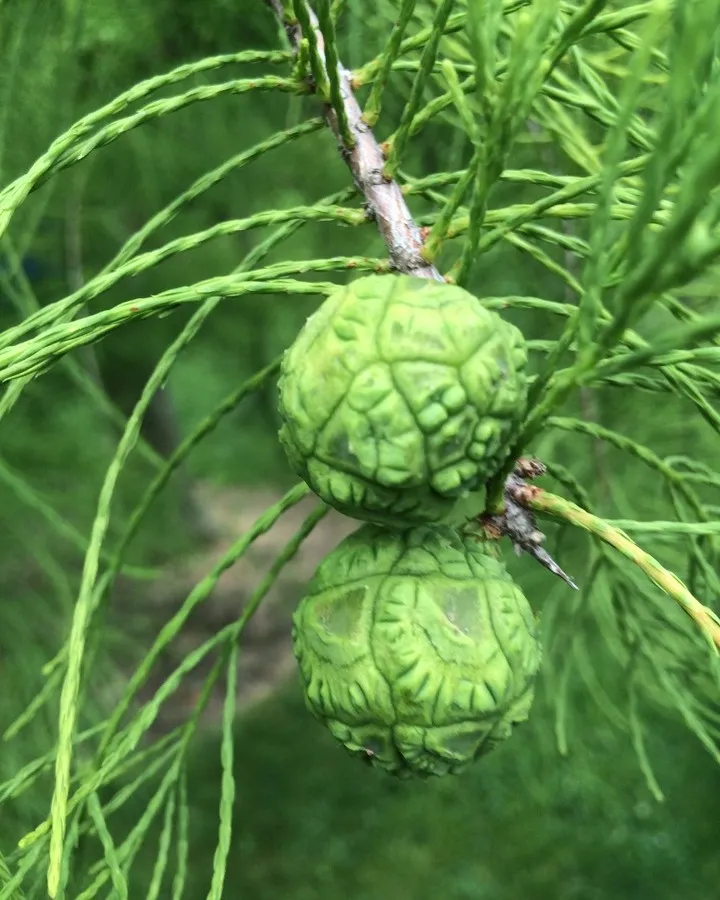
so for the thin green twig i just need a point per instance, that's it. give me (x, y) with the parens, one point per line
(550, 504)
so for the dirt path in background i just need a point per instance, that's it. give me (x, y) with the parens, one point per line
(266, 653)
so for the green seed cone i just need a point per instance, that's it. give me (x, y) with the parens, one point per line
(399, 398)
(416, 649)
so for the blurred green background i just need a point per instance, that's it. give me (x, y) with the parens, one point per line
(308, 822)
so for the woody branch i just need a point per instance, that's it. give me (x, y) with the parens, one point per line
(386, 206)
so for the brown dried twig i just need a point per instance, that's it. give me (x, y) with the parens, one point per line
(385, 204)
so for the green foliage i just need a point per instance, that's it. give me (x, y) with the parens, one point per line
(561, 159)
(311, 824)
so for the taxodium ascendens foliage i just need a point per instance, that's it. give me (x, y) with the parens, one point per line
(576, 143)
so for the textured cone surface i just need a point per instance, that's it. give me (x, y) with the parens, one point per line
(399, 398)
(416, 649)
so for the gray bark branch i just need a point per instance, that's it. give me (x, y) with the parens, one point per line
(384, 200)
(386, 205)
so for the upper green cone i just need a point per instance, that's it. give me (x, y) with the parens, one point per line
(399, 397)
